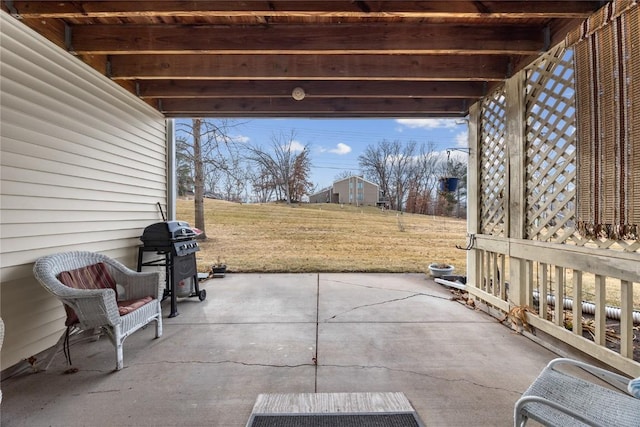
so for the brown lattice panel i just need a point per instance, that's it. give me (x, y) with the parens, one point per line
(551, 138)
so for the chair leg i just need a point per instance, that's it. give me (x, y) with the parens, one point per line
(54, 350)
(159, 326)
(117, 342)
(519, 417)
(159, 321)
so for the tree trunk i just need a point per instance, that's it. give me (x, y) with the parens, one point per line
(199, 177)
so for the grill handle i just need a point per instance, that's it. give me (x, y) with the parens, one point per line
(161, 212)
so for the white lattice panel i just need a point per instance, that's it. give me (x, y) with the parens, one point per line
(493, 164)
(551, 147)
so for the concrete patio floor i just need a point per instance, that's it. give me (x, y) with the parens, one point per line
(290, 333)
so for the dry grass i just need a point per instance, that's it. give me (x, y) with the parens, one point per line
(324, 238)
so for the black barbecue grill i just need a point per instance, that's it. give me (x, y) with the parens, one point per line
(175, 242)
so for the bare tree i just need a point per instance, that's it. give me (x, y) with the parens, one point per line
(184, 174)
(391, 165)
(213, 177)
(200, 143)
(233, 185)
(198, 166)
(422, 181)
(402, 170)
(344, 175)
(375, 165)
(281, 168)
(299, 184)
(262, 184)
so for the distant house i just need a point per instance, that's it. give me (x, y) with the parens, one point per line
(322, 196)
(353, 190)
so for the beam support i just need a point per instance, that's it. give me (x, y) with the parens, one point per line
(304, 39)
(313, 89)
(311, 67)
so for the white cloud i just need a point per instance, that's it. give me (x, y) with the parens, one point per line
(242, 139)
(296, 146)
(427, 123)
(341, 149)
(462, 139)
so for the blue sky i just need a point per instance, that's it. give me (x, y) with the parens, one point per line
(336, 143)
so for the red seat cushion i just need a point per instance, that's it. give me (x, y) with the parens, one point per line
(94, 276)
(126, 307)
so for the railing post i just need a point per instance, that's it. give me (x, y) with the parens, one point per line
(516, 152)
(473, 188)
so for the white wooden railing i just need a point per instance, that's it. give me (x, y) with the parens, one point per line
(550, 278)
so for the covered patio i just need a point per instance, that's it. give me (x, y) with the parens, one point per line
(296, 333)
(550, 91)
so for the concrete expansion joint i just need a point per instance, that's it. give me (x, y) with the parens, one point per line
(387, 302)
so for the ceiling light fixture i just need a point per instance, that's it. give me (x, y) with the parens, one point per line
(298, 93)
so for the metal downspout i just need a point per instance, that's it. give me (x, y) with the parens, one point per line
(171, 169)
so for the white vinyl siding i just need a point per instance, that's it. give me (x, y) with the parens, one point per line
(83, 166)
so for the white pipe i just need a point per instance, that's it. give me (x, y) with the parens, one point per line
(451, 284)
(590, 308)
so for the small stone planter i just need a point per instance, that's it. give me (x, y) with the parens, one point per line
(218, 271)
(440, 270)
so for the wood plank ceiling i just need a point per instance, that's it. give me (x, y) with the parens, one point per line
(351, 58)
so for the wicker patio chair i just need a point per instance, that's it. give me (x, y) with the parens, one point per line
(558, 398)
(92, 301)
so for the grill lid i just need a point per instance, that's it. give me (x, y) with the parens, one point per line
(164, 233)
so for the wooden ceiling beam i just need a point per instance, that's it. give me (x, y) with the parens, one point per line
(313, 89)
(310, 67)
(308, 39)
(524, 9)
(337, 106)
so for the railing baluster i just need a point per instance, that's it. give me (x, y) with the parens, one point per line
(482, 270)
(559, 293)
(528, 284)
(626, 318)
(487, 271)
(601, 318)
(494, 274)
(503, 278)
(577, 302)
(544, 287)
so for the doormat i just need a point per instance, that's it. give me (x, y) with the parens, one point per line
(334, 410)
(352, 420)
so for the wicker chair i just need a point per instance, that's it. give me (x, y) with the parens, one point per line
(557, 398)
(99, 308)
(1, 340)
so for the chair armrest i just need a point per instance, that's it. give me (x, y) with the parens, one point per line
(94, 307)
(139, 285)
(618, 381)
(135, 284)
(542, 401)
